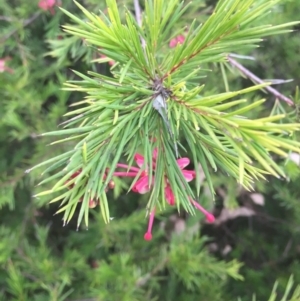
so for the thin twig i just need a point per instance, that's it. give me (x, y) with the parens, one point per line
(4, 18)
(25, 23)
(256, 79)
(138, 14)
(138, 17)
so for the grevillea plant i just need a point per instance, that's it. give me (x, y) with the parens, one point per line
(145, 121)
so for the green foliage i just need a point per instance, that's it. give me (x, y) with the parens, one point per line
(129, 274)
(40, 259)
(119, 115)
(294, 297)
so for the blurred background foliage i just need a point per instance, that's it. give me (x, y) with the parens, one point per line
(254, 241)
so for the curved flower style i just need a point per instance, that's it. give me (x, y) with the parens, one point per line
(209, 218)
(148, 234)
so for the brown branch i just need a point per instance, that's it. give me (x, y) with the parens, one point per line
(138, 17)
(257, 80)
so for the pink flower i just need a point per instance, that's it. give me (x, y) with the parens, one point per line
(47, 5)
(3, 67)
(142, 185)
(177, 40)
(189, 175)
(169, 195)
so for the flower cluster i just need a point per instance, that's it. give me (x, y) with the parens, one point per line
(3, 67)
(142, 185)
(177, 40)
(47, 5)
